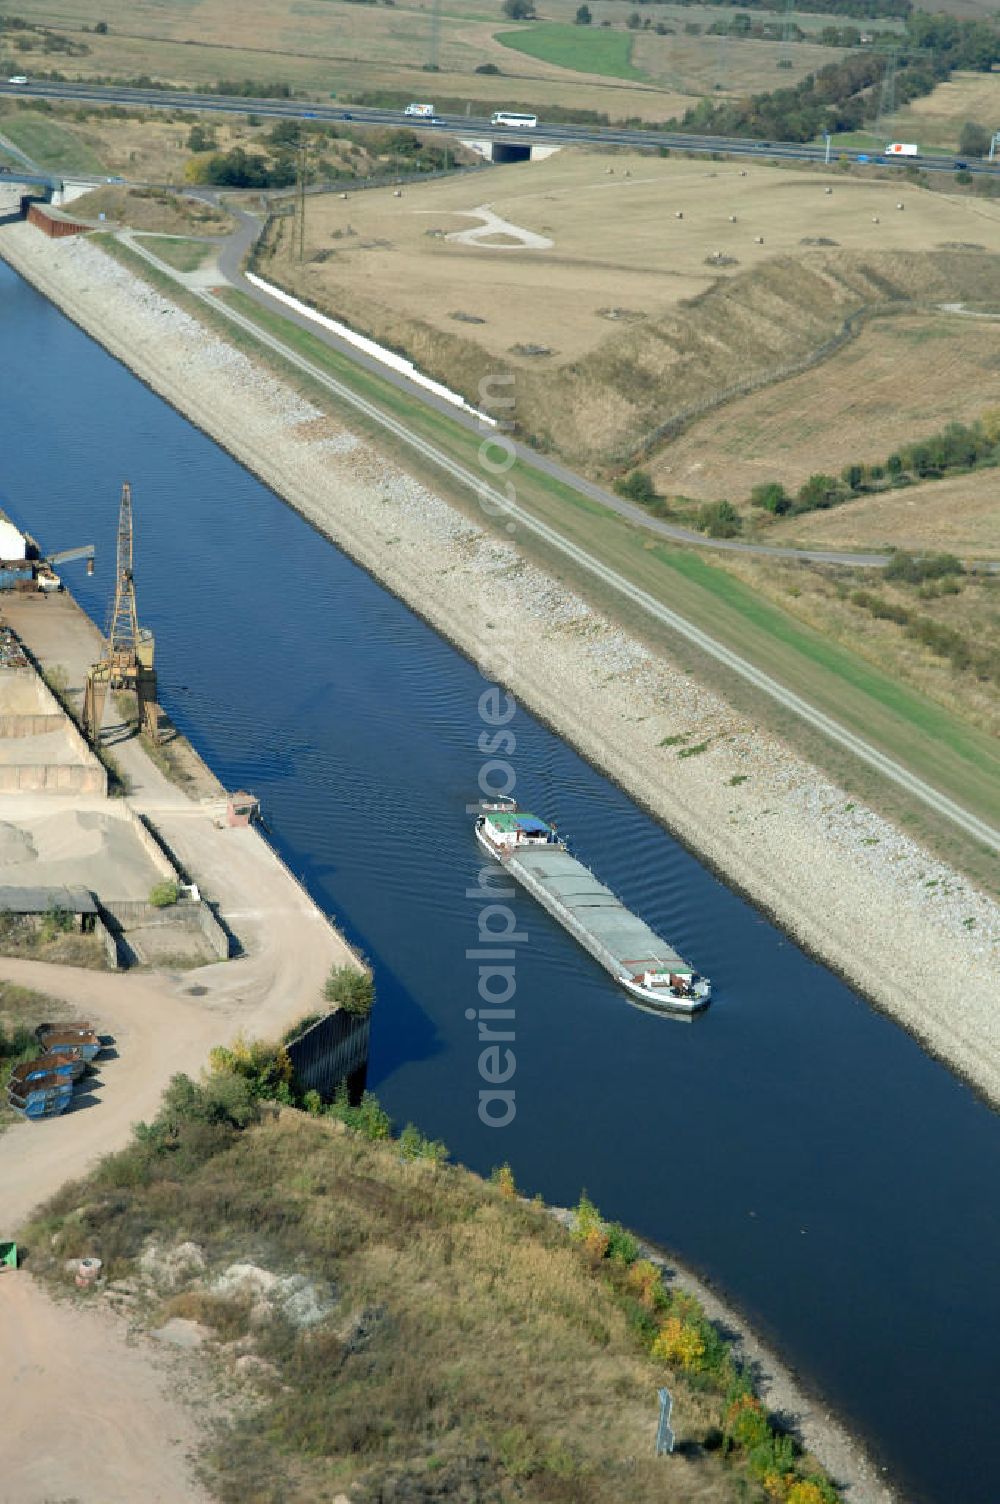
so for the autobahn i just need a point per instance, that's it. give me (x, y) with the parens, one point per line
(543, 134)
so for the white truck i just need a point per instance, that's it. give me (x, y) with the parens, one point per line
(902, 149)
(420, 111)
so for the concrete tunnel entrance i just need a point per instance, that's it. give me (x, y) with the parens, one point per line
(509, 151)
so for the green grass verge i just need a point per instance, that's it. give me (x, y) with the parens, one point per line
(50, 145)
(185, 255)
(581, 48)
(925, 715)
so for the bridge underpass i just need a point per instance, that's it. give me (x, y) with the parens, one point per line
(508, 151)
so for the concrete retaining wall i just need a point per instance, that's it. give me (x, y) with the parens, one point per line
(86, 774)
(111, 953)
(151, 844)
(52, 778)
(13, 726)
(183, 919)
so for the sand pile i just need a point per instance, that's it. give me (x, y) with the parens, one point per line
(76, 848)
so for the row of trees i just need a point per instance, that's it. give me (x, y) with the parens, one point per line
(958, 448)
(844, 96)
(861, 10)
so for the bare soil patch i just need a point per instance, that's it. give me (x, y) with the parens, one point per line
(123, 1435)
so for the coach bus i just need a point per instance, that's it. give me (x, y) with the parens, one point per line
(515, 121)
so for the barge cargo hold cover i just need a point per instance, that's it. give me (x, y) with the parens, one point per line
(638, 959)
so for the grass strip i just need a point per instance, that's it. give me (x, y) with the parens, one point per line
(608, 53)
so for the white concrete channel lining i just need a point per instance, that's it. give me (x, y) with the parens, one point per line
(940, 803)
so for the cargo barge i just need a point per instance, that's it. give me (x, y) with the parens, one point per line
(640, 961)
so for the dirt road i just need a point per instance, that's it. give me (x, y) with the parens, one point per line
(88, 1416)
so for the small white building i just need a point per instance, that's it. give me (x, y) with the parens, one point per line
(12, 542)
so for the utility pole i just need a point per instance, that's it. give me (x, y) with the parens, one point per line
(828, 138)
(887, 95)
(432, 62)
(302, 201)
(784, 51)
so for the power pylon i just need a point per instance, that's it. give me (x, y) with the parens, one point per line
(127, 661)
(887, 94)
(435, 38)
(787, 23)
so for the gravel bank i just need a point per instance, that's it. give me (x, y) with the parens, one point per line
(822, 865)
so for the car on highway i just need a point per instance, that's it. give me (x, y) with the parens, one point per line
(17, 78)
(961, 166)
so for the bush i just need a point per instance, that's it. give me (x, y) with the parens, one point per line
(201, 138)
(223, 1099)
(163, 895)
(503, 1178)
(772, 496)
(719, 519)
(679, 1342)
(266, 1068)
(413, 1145)
(915, 569)
(622, 1246)
(637, 486)
(56, 921)
(647, 1283)
(369, 1118)
(518, 10)
(746, 1422)
(819, 491)
(350, 990)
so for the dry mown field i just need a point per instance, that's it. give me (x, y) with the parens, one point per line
(903, 378)
(338, 47)
(625, 324)
(960, 515)
(937, 119)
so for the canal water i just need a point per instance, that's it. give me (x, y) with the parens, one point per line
(792, 1144)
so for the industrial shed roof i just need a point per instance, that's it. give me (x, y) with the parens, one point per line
(41, 900)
